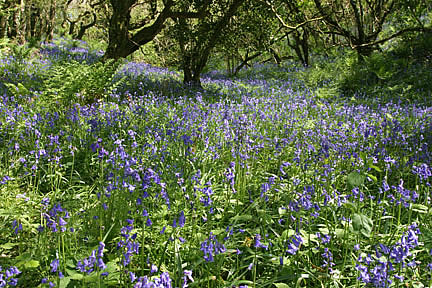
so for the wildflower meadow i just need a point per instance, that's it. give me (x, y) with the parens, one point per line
(256, 180)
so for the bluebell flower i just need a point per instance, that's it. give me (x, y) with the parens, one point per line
(89, 264)
(153, 269)
(16, 227)
(182, 219)
(250, 266)
(258, 243)
(212, 247)
(187, 276)
(8, 277)
(54, 265)
(294, 244)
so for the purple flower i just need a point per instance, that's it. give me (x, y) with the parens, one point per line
(258, 243)
(187, 277)
(8, 277)
(182, 219)
(55, 265)
(16, 227)
(153, 269)
(88, 265)
(294, 245)
(212, 247)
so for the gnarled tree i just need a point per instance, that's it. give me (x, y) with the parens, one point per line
(360, 22)
(81, 16)
(126, 37)
(197, 38)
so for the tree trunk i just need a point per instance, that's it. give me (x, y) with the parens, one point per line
(13, 27)
(121, 44)
(195, 59)
(118, 29)
(21, 23)
(192, 68)
(34, 12)
(305, 48)
(50, 21)
(3, 26)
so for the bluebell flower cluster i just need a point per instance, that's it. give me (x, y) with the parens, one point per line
(16, 227)
(212, 247)
(165, 161)
(294, 244)
(67, 50)
(94, 261)
(8, 276)
(56, 218)
(128, 245)
(163, 281)
(380, 269)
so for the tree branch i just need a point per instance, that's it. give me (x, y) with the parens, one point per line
(282, 22)
(397, 34)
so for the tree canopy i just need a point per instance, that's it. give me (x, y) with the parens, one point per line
(237, 30)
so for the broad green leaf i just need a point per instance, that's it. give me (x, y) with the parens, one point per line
(340, 233)
(241, 218)
(31, 264)
(281, 285)
(74, 275)
(363, 224)
(8, 246)
(64, 282)
(355, 179)
(351, 206)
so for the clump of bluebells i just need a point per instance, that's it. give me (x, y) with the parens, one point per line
(212, 247)
(8, 276)
(384, 266)
(62, 49)
(163, 281)
(93, 262)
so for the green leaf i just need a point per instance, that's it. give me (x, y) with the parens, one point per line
(74, 275)
(420, 208)
(375, 179)
(31, 264)
(242, 218)
(376, 168)
(8, 246)
(218, 231)
(282, 211)
(351, 206)
(286, 261)
(340, 233)
(281, 285)
(64, 282)
(363, 224)
(355, 179)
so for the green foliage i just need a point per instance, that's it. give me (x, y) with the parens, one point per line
(70, 82)
(403, 69)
